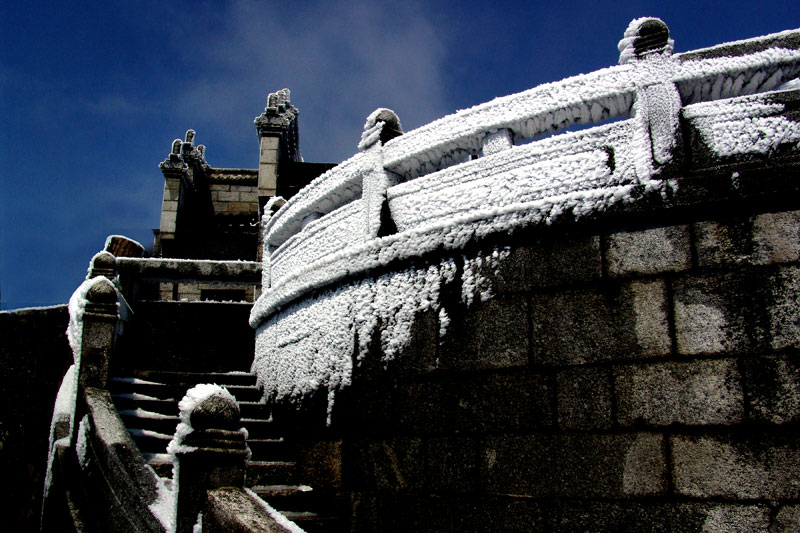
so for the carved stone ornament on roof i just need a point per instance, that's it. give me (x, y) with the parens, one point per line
(279, 111)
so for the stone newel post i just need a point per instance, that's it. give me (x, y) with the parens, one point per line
(210, 450)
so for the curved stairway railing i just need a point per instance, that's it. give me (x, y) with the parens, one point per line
(469, 174)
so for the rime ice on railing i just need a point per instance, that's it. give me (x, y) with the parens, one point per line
(467, 176)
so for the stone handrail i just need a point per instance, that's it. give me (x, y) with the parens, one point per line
(134, 270)
(94, 464)
(466, 175)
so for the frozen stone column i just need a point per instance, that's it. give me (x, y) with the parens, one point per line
(209, 450)
(646, 43)
(382, 125)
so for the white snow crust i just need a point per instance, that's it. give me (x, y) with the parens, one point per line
(466, 176)
(314, 343)
(743, 126)
(163, 507)
(63, 413)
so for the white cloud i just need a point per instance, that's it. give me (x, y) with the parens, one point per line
(341, 61)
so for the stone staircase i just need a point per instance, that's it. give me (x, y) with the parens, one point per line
(147, 402)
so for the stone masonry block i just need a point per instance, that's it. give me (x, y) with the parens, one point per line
(763, 239)
(773, 388)
(751, 466)
(578, 465)
(172, 191)
(243, 188)
(269, 143)
(219, 187)
(615, 321)
(788, 519)
(267, 176)
(220, 207)
(784, 311)
(650, 251)
(711, 314)
(395, 463)
(584, 398)
(695, 393)
(451, 464)
(490, 334)
(504, 513)
(549, 264)
(227, 196)
(169, 205)
(243, 207)
(650, 516)
(248, 196)
(500, 402)
(168, 219)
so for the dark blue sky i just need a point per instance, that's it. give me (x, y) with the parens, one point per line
(92, 94)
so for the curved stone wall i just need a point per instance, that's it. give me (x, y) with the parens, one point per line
(634, 373)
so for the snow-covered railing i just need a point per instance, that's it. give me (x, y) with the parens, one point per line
(91, 452)
(467, 175)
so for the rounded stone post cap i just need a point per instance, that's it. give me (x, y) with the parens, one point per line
(644, 36)
(102, 292)
(215, 412)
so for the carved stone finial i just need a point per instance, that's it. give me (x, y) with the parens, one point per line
(216, 412)
(382, 125)
(189, 136)
(201, 148)
(644, 37)
(103, 264)
(176, 146)
(102, 293)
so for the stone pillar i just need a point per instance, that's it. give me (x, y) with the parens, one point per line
(277, 140)
(381, 126)
(173, 169)
(209, 448)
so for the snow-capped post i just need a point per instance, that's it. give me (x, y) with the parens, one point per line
(103, 264)
(647, 44)
(381, 126)
(100, 317)
(209, 450)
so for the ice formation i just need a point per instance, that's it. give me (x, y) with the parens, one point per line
(743, 126)
(467, 176)
(315, 343)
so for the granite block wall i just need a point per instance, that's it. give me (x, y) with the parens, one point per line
(637, 377)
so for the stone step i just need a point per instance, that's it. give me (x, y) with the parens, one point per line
(312, 522)
(270, 473)
(150, 441)
(176, 391)
(161, 463)
(287, 497)
(132, 401)
(193, 378)
(269, 450)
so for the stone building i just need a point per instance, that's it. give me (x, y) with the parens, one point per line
(471, 326)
